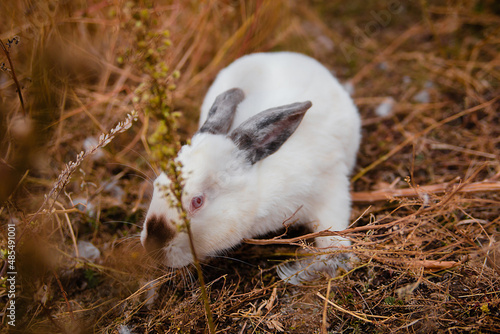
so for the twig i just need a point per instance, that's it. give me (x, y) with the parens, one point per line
(326, 233)
(323, 325)
(429, 265)
(272, 241)
(70, 227)
(70, 309)
(432, 264)
(388, 194)
(358, 315)
(14, 77)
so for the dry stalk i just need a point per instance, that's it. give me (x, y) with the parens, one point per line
(65, 175)
(323, 324)
(175, 171)
(390, 194)
(361, 316)
(325, 233)
(14, 76)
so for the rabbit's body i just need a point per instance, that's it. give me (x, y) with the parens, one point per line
(258, 170)
(275, 79)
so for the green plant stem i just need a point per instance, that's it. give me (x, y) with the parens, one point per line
(204, 294)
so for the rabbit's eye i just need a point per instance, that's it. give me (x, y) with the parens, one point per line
(197, 202)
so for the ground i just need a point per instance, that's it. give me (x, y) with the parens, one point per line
(425, 76)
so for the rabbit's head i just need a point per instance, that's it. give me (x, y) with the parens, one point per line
(219, 195)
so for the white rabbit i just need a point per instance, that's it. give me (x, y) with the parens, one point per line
(277, 133)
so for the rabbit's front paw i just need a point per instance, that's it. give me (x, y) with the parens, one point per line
(314, 267)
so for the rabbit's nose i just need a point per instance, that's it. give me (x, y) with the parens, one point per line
(159, 232)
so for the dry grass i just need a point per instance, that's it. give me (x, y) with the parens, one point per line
(426, 199)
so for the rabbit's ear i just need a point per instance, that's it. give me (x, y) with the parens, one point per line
(221, 115)
(263, 134)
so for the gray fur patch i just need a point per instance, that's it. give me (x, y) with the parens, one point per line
(221, 114)
(263, 134)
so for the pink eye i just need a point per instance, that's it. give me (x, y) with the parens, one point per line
(197, 202)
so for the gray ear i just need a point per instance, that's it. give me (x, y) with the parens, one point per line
(263, 134)
(221, 115)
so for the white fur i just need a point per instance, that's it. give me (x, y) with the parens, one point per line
(310, 169)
